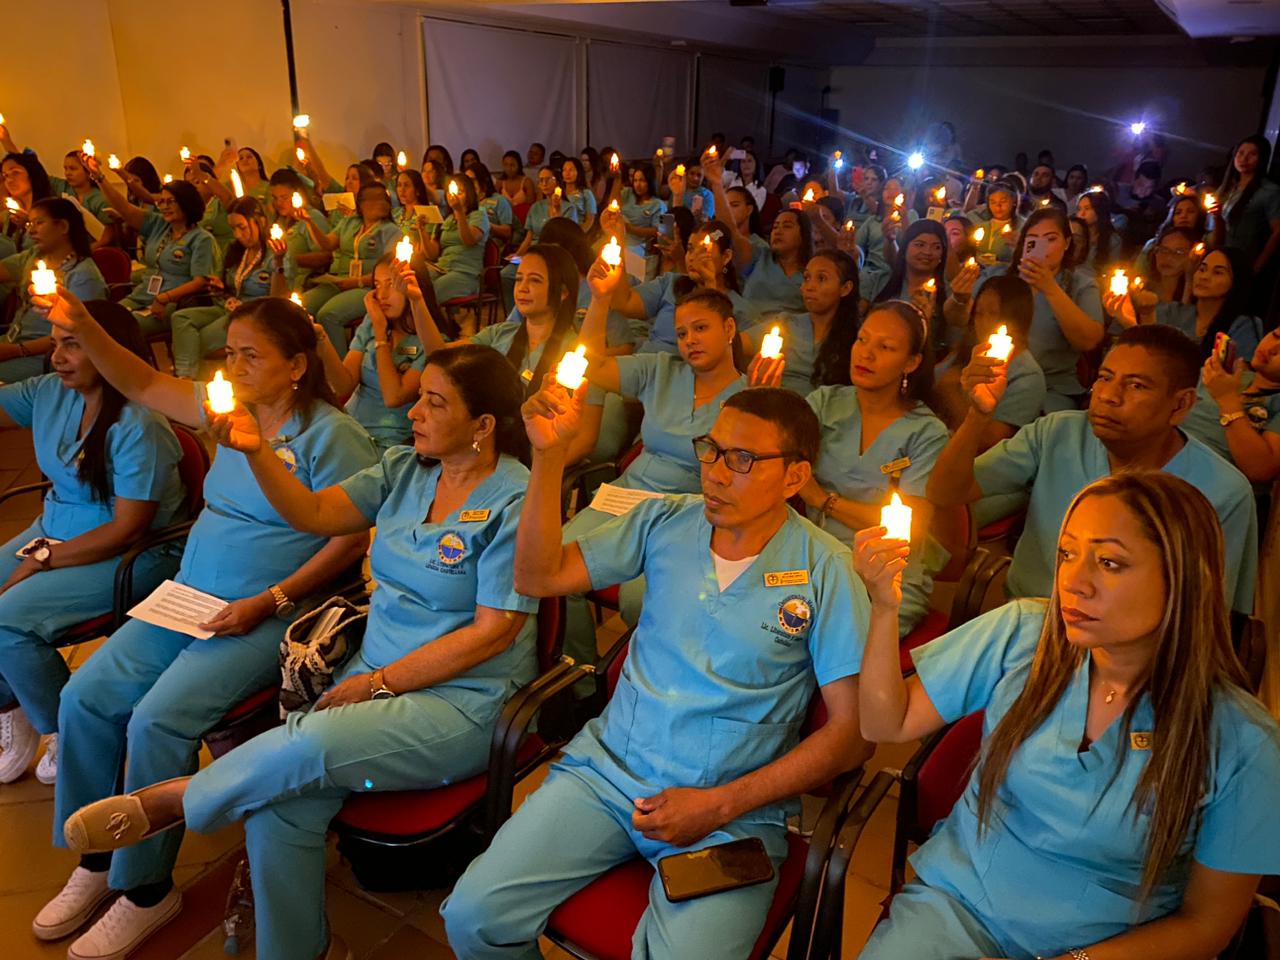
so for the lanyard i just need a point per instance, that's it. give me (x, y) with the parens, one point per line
(245, 267)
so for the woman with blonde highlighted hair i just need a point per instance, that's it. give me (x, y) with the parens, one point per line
(1123, 801)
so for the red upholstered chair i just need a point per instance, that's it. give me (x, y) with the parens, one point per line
(597, 922)
(488, 296)
(113, 263)
(608, 596)
(930, 785)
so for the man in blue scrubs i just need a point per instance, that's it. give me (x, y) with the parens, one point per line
(747, 608)
(1145, 389)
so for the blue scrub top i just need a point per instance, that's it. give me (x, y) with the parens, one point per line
(664, 385)
(142, 457)
(1023, 398)
(179, 261)
(798, 349)
(81, 277)
(431, 576)
(1056, 456)
(94, 201)
(1246, 331)
(1055, 355)
(644, 215)
(248, 280)
(238, 521)
(705, 695)
(578, 206)
(1061, 863)
(540, 212)
(297, 240)
(354, 241)
(1262, 411)
(498, 209)
(456, 256)
(365, 404)
(1251, 231)
(768, 290)
(659, 298)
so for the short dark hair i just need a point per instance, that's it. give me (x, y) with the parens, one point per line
(1170, 344)
(59, 208)
(41, 186)
(488, 384)
(1017, 302)
(790, 413)
(188, 200)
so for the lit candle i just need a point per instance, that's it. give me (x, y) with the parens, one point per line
(1136, 284)
(558, 193)
(12, 204)
(113, 162)
(277, 232)
(1096, 188)
(679, 169)
(711, 150)
(771, 346)
(900, 200)
(44, 280)
(808, 195)
(895, 217)
(402, 160)
(1007, 229)
(294, 298)
(895, 517)
(185, 154)
(707, 242)
(615, 163)
(1119, 284)
(613, 206)
(296, 200)
(971, 262)
(1210, 202)
(453, 188)
(612, 252)
(849, 226)
(837, 160)
(404, 250)
(237, 185)
(301, 155)
(168, 178)
(931, 286)
(302, 121)
(979, 174)
(1, 119)
(572, 368)
(940, 194)
(979, 234)
(221, 397)
(87, 147)
(1182, 189)
(1000, 344)
(1198, 250)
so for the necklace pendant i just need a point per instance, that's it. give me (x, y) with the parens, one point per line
(1111, 695)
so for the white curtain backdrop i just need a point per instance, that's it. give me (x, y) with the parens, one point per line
(638, 96)
(499, 90)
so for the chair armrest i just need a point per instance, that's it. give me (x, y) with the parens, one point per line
(123, 594)
(12, 492)
(974, 583)
(579, 478)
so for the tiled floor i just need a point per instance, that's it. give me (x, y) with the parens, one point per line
(376, 926)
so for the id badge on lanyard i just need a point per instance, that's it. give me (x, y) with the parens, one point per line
(154, 283)
(356, 270)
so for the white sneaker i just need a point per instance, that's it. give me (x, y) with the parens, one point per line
(73, 906)
(47, 768)
(19, 742)
(123, 928)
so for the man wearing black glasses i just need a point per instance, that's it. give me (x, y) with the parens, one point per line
(746, 605)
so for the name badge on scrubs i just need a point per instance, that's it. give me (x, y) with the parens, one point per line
(895, 466)
(526, 376)
(355, 270)
(473, 516)
(154, 283)
(786, 578)
(409, 350)
(1140, 739)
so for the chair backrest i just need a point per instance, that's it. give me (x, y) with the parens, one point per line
(944, 775)
(113, 264)
(629, 456)
(520, 211)
(192, 467)
(550, 631)
(491, 276)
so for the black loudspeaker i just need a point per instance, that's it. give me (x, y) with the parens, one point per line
(777, 79)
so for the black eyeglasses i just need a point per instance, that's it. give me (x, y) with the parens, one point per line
(735, 458)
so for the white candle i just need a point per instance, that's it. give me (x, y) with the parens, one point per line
(185, 154)
(979, 234)
(453, 188)
(1119, 284)
(771, 346)
(277, 232)
(237, 185)
(808, 195)
(895, 517)
(1000, 344)
(404, 250)
(87, 147)
(221, 397)
(294, 298)
(612, 252)
(679, 169)
(402, 159)
(572, 368)
(302, 121)
(113, 162)
(613, 206)
(296, 200)
(44, 280)
(301, 155)
(12, 204)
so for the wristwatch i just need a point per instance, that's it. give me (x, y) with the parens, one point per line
(284, 606)
(1227, 419)
(378, 689)
(42, 553)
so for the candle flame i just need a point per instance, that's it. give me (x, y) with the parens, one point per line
(1198, 249)
(277, 232)
(168, 178)
(931, 285)
(614, 162)
(453, 188)
(302, 121)
(87, 147)
(849, 226)
(979, 234)
(1007, 228)
(11, 203)
(808, 195)
(113, 162)
(222, 398)
(294, 298)
(43, 280)
(679, 169)
(979, 174)
(296, 200)
(402, 159)
(1210, 202)
(404, 250)
(613, 206)
(899, 200)
(707, 241)
(711, 150)
(612, 252)
(971, 262)
(185, 154)
(301, 155)
(940, 194)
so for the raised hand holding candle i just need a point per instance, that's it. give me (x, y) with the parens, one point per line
(404, 250)
(87, 148)
(895, 517)
(572, 368)
(237, 185)
(1119, 284)
(613, 206)
(612, 253)
(113, 162)
(44, 280)
(277, 232)
(771, 346)
(296, 200)
(1000, 344)
(222, 398)
(1210, 203)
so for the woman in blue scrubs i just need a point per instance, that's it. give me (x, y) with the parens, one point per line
(448, 641)
(411, 193)
(178, 256)
(302, 255)
(774, 274)
(356, 242)
(496, 207)
(457, 250)
(579, 201)
(25, 181)
(113, 466)
(641, 207)
(74, 184)
(380, 372)
(149, 694)
(880, 420)
(1250, 209)
(1124, 802)
(924, 259)
(60, 239)
(1094, 208)
(251, 268)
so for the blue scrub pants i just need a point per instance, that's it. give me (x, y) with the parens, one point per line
(156, 692)
(196, 332)
(333, 309)
(34, 612)
(580, 624)
(926, 923)
(21, 368)
(146, 320)
(569, 831)
(288, 783)
(455, 283)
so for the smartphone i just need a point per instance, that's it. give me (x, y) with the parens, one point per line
(667, 226)
(737, 153)
(1224, 348)
(726, 866)
(1030, 251)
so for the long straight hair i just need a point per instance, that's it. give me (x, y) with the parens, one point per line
(562, 294)
(251, 210)
(893, 288)
(1193, 659)
(831, 364)
(1231, 179)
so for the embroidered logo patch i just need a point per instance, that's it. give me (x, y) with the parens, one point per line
(794, 615)
(289, 458)
(1140, 739)
(450, 548)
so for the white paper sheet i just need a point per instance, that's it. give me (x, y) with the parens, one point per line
(178, 607)
(332, 201)
(91, 223)
(619, 500)
(432, 213)
(635, 264)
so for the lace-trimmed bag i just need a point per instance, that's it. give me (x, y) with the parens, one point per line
(315, 647)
